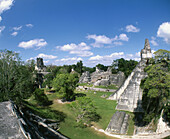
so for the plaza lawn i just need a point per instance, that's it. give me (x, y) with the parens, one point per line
(105, 108)
(85, 84)
(107, 87)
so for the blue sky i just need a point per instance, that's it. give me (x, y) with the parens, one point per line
(94, 31)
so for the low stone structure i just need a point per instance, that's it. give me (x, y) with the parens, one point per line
(100, 77)
(129, 95)
(118, 123)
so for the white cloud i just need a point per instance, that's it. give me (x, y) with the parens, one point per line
(46, 56)
(131, 28)
(82, 53)
(153, 41)
(118, 43)
(81, 49)
(17, 28)
(123, 37)
(100, 40)
(38, 43)
(1, 29)
(107, 59)
(164, 31)
(0, 18)
(29, 25)
(5, 5)
(14, 33)
(68, 61)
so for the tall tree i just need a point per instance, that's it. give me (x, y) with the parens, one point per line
(16, 79)
(85, 111)
(156, 88)
(123, 65)
(64, 84)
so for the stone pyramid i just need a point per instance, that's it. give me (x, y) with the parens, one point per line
(129, 95)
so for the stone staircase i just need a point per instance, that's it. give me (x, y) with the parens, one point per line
(131, 98)
(119, 123)
(129, 95)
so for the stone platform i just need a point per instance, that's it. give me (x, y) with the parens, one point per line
(9, 127)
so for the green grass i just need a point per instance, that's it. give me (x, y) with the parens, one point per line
(105, 108)
(85, 84)
(107, 87)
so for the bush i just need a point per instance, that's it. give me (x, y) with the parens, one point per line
(41, 98)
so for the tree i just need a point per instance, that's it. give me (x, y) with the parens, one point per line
(41, 98)
(16, 79)
(102, 67)
(79, 67)
(85, 111)
(123, 65)
(64, 84)
(156, 89)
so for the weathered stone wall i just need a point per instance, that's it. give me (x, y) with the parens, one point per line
(100, 77)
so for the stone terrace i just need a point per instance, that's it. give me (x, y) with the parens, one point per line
(9, 127)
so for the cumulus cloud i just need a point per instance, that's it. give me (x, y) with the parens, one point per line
(107, 59)
(81, 49)
(47, 56)
(29, 25)
(68, 61)
(153, 41)
(123, 37)
(5, 5)
(1, 29)
(37, 43)
(0, 18)
(164, 31)
(17, 28)
(131, 28)
(14, 33)
(100, 40)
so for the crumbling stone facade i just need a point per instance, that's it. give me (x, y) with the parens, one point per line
(100, 77)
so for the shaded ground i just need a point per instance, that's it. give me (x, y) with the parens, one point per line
(9, 127)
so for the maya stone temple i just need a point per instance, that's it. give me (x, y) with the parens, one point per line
(129, 95)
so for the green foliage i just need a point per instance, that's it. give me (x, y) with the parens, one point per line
(123, 65)
(156, 89)
(167, 112)
(78, 67)
(162, 54)
(40, 97)
(102, 67)
(64, 84)
(85, 111)
(17, 80)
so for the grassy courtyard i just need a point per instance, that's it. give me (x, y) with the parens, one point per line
(105, 108)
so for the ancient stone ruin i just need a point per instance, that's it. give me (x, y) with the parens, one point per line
(41, 71)
(118, 123)
(129, 95)
(100, 77)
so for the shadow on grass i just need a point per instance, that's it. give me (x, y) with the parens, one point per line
(80, 95)
(45, 112)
